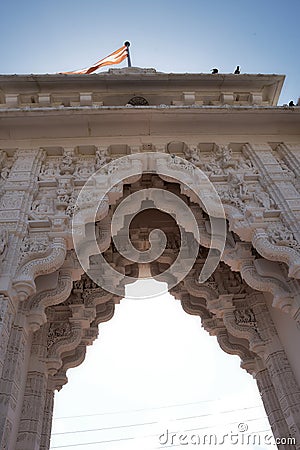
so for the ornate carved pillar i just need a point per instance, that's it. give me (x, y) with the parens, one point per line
(17, 191)
(272, 406)
(30, 427)
(280, 372)
(47, 417)
(7, 312)
(12, 383)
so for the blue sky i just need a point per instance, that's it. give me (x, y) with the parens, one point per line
(262, 36)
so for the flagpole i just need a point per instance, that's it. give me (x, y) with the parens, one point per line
(128, 57)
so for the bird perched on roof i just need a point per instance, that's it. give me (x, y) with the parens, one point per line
(214, 71)
(237, 70)
(292, 103)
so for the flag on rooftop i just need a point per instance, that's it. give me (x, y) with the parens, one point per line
(114, 58)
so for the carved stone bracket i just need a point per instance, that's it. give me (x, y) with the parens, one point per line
(62, 337)
(283, 298)
(237, 322)
(38, 303)
(277, 252)
(24, 282)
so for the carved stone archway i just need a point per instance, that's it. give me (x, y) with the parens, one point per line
(50, 309)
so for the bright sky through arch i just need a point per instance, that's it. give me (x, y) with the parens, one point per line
(153, 367)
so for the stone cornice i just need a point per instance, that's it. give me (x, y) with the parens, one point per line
(269, 84)
(102, 121)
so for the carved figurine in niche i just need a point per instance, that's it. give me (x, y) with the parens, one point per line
(234, 283)
(246, 165)
(262, 198)
(49, 170)
(223, 156)
(63, 191)
(230, 195)
(244, 317)
(3, 244)
(4, 173)
(71, 205)
(102, 158)
(84, 170)
(212, 167)
(67, 165)
(237, 183)
(192, 156)
(41, 206)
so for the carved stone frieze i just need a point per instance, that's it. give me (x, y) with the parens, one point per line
(221, 161)
(244, 195)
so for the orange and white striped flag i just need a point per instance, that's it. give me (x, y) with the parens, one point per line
(114, 58)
